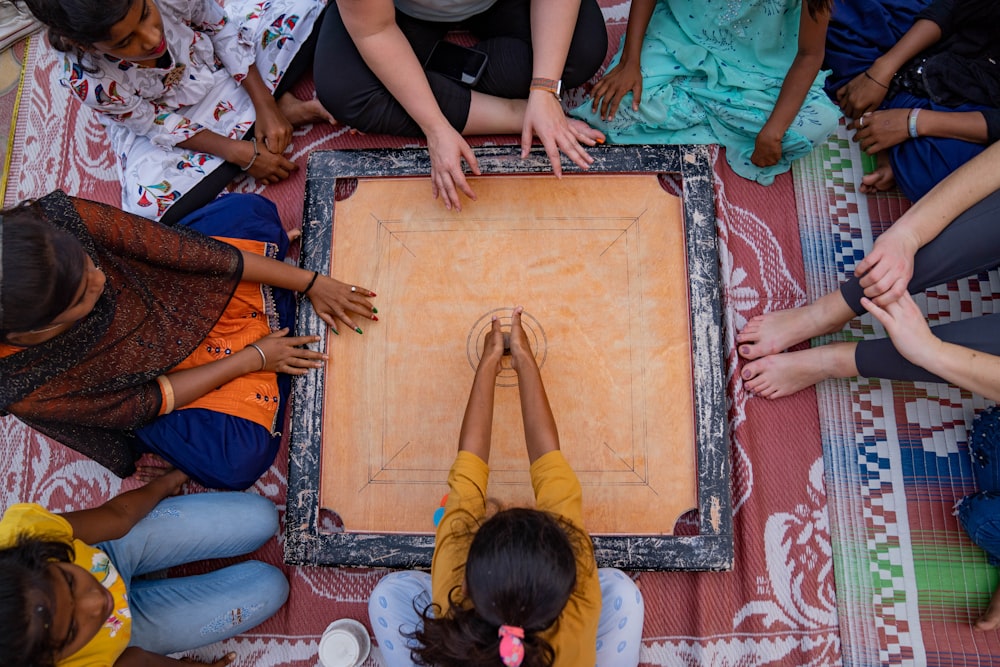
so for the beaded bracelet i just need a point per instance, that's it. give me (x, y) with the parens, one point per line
(253, 140)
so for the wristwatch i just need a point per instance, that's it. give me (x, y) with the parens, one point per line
(553, 86)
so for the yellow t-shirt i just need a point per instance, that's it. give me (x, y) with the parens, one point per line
(557, 490)
(113, 637)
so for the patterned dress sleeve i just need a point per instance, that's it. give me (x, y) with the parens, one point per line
(112, 92)
(231, 31)
(463, 511)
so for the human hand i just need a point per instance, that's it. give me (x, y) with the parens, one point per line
(861, 94)
(447, 148)
(609, 91)
(221, 662)
(880, 130)
(545, 119)
(170, 480)
(270, 168)
(284, 354)
(767, 149)
(272, 129)
(885, 272)
(333, 300)
(521, 353)
(906, 326)
(493, 348)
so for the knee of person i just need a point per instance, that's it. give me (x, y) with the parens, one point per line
(619, 590)
(270, 583)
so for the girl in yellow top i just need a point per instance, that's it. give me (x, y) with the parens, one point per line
(71, 586)
(526, 590)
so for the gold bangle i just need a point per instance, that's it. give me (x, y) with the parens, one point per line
(167, 389)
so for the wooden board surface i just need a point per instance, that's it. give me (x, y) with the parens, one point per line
(598, 262)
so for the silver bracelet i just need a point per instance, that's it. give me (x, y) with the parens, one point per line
(253, 140)
(912, 121)
(263, 357)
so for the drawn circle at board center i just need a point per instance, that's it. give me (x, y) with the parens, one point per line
(478, 332)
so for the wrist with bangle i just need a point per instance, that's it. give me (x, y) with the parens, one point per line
(256, 153)
(911, 123)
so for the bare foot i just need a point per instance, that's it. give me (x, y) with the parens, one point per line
(777, 331)
(990, 620)
(302, 112)
(779, 375)
(294, 234)
(881, 179)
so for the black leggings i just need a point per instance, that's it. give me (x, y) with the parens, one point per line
(354, 95)
(968, 246)
(213, 183)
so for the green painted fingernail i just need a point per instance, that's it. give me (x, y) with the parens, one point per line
(334, 331)
(374, 310)
(358, 329)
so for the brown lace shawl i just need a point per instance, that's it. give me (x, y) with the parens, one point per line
(91, 386)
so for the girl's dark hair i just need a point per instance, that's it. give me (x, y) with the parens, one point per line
(41, 267)
(24, 595)
(520, 571)
(75, 25)
(815, 7)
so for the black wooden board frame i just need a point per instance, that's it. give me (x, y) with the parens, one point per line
(711, 549)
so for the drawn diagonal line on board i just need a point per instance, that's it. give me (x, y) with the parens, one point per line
(395, 237)
(623, 233)
(384, 466)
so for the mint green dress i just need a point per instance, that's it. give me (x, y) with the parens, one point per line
(711, 74)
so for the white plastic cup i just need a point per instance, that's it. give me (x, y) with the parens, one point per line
(345, 643)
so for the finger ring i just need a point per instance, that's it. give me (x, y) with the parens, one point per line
(353, 288)
(861, 122)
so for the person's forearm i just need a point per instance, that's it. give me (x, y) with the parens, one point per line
(116, 517)
(260, 269)
(191, 384)
(639, 15)
(963, 125)
(965, 186)
(477, 423)
(975, 371)
(258, 91)
(540, 432)
(237, 151)
(387, 52)
(552, 25)
(801, 73)
(923, 34)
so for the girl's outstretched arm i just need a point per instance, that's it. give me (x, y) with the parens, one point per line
(800, 77)
(477, 424)
(116, 517)
(540, 433)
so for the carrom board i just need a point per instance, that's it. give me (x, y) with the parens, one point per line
(602, 262)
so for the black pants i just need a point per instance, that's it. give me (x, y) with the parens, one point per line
(210, 186)
(969, 245)
(354, 95)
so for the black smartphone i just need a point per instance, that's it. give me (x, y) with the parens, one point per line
(459, 63)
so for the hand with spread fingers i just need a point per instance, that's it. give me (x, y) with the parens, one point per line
(626, 77)
(545, 119)
(281, 353)
(447, 149)
(335, 301)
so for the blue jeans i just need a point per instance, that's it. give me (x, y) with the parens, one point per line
(182, 613)
(979, 513)
(395, 605)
